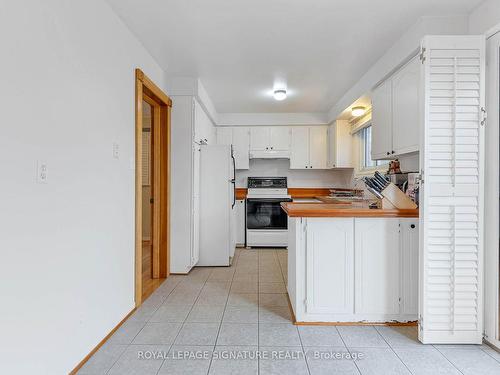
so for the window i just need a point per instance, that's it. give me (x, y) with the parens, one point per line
(365, 143)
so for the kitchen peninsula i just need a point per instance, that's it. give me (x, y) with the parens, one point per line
(348, 263)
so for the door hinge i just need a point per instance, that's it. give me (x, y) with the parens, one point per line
(484, 116)
(421, 56)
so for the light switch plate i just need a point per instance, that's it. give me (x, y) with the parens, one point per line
(41, 172)
(116, 150)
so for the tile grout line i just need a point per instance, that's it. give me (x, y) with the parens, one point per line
(146, 322)
(392, 349)
(348, 349)
(445, 357)
(184, 321)
(235, 261)
(489, 353)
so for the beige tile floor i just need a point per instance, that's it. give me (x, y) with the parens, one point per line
(192, 323)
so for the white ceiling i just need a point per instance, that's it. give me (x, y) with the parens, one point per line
(238, 48)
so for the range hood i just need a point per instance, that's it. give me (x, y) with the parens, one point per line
(269, 154)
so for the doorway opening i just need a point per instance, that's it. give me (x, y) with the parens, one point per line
(152, 177)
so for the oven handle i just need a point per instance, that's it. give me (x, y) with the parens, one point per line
(269, 200)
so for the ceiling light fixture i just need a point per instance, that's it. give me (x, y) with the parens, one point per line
(358, 111)
(280, 94)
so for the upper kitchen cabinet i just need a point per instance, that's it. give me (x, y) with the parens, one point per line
(273, 141)
(309, 148)
(406, 109)
(241, 145)
(239, 138)
(259, 138)
(382, 121)
(395, 113)
(339, 145)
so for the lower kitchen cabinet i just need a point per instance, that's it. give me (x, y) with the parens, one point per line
(330, 266)
(240, 222)
(377, 267)
(353, 269)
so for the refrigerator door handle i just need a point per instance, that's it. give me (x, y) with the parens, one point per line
(233, 181)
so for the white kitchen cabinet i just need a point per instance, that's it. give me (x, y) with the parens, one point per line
(318, 147)
(224, 136)
(190, 124)
(330, 266)
(279, 138)
(240, 222)
(408, 250)
(396, 113)
(239, 138)
(259, 138)
(309, 147)
(299, 152)
(241, 145)
(353, 269)
(406, 109)
(377, 266)
(270, 138)
(340, 145)
(382, 121)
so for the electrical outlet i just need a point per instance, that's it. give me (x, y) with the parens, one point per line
(116, 150)
(41, 172)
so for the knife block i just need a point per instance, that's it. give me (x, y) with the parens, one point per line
(395, 198)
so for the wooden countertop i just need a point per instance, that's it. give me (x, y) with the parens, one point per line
(241, 193)
(354, 209)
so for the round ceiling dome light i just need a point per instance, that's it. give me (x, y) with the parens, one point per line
(280, 94)
(358, 111)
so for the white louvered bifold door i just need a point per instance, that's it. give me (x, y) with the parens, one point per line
(451, 203)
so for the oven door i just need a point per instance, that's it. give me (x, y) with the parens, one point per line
(266, 214)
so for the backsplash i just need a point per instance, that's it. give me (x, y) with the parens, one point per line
(296, 177)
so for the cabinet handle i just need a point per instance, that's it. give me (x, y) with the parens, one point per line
(393, 151)
(388, 153)
(412, 226)
(272, 148)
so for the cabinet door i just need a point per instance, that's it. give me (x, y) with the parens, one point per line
(279, 138)
(318, 147)
(376, 255)
(332, 145)
(299, 153)
(259, 138)
(195, 236)
(406, 109)
(241, 146)
(408, 245)
(240, 222)
(330, 265)
(382, 121)
(224, 136)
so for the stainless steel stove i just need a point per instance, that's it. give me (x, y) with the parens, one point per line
(266, 222)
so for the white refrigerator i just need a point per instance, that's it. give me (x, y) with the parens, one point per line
(217, 205)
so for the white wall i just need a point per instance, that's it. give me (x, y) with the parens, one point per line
(296, 177)
(67, 247)
(484, 17)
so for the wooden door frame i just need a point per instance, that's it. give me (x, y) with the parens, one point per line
(161, 104)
